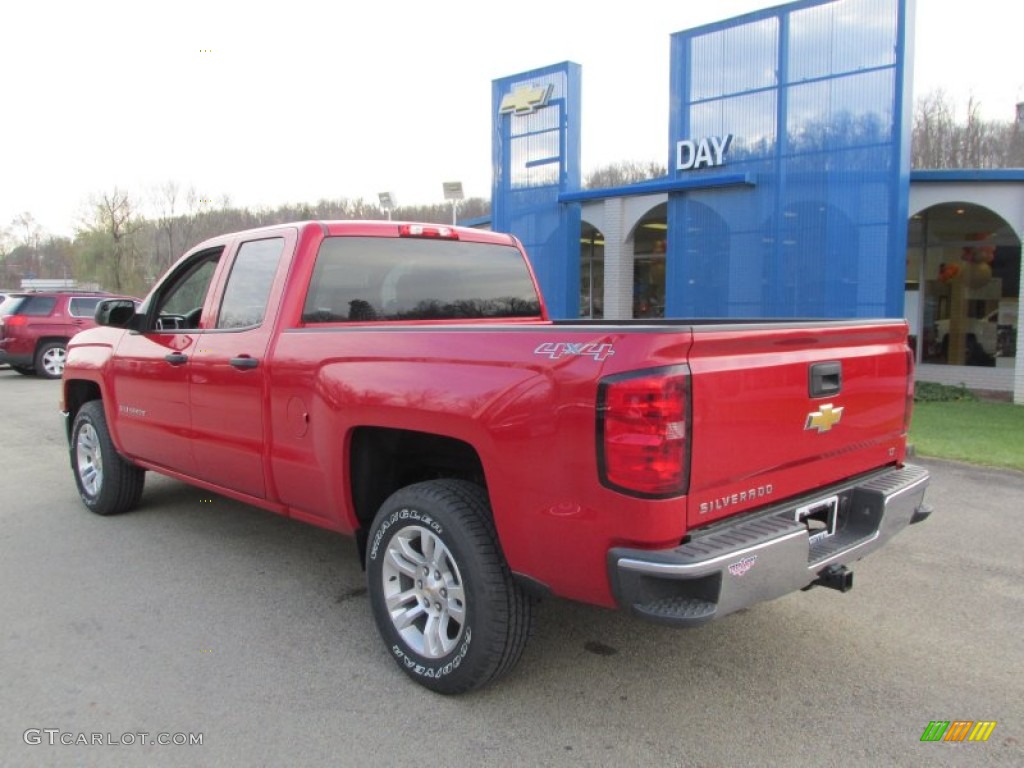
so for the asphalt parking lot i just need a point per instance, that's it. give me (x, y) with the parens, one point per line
(198, 615)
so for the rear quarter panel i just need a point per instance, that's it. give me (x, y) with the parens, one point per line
(530, 417)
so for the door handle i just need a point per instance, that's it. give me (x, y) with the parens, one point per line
(244, 362)
(825, 379)
(176, 358)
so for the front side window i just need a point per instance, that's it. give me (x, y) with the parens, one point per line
(359, 279)
(248, 290)
(180, 303)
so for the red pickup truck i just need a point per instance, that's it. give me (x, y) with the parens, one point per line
(402, 383)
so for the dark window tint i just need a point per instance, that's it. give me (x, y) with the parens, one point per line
(37, 306)
(252, 275)
(382, 278)
(82, 307)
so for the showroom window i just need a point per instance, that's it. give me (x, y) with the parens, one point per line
(963, 286)
(591, 272)
(649, 245)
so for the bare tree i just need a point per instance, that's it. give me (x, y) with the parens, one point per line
(26, 226)
(7, 242)
(114, 216)
(187, 224)
(166, 199)
(29, 236)
(932, 133)
(8, 266)
(942, 140)
(623, 173)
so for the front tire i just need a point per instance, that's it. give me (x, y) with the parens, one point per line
(106, 482)
(443, 597)
(50, 359)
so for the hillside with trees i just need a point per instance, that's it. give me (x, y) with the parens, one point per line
(128, 242)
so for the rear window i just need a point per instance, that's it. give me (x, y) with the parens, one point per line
(10, 304)
(36, 306)
(358, 279)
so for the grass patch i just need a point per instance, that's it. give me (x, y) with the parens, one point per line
(991, 434)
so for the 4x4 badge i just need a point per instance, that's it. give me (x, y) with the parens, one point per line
(824, 418)
(556, 350)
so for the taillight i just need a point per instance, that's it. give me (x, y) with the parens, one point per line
(643, 432)
(423, 230)
(908, 408)
(15, 320)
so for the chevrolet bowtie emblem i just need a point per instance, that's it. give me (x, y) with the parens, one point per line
(525, 99)
(824, 419)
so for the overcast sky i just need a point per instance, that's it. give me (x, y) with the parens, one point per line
(295, 101)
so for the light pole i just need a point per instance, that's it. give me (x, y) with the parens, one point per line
(387, 203)
(453, 192)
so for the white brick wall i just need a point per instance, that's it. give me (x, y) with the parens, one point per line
(971, 376)
(618, 263)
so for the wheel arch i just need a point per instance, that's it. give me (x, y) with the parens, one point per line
(381, 460)
(42, 340)
(77, 393)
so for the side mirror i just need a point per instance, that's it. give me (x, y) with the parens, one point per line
(116, 313)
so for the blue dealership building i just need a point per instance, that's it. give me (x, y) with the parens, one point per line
(788, 195)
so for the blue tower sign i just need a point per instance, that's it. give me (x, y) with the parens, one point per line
(788, 165)
(536, 154)
(811, 101)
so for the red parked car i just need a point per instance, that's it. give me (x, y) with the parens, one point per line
(35, 328)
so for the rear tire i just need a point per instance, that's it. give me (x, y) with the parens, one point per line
(443, 597)
(106, 482)
(50, 359)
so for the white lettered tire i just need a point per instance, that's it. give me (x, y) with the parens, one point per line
(442, 595)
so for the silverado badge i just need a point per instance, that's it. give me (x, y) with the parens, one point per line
(824, 418)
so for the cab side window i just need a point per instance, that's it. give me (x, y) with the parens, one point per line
(180, 303)
(248, 290)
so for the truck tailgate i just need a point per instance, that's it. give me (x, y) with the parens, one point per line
(781, 409)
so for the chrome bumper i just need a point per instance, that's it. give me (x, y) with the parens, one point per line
(732, 565)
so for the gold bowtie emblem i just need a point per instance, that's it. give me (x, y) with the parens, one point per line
(525, 99)
(824, 419)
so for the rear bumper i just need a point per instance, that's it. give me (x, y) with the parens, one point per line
(6, 358)
(759, 557)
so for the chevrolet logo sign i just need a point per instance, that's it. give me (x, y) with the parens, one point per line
(525, 99)
(824, 419)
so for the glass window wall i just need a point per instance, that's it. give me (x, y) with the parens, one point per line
(963, 286)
